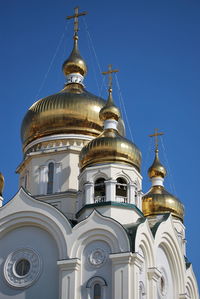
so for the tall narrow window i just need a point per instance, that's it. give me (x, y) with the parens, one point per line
(50, 178)
(99, 190)
(97, 291)
(121, 190)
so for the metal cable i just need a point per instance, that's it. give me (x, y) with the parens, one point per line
(124, 109)
(51, 63)
(171, 181)
(93, 48)
(91, 54)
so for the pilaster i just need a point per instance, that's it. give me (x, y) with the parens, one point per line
(154, 275)
(121, 279)
(69, 278)
(137, 261)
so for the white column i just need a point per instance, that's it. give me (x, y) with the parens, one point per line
(69, 278)
(153, 275)
(89, 193)
(131, 193)
(56, 183)
(43, 179)
(110, 190)
(121, 280)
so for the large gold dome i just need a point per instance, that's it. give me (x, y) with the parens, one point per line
(73, 110)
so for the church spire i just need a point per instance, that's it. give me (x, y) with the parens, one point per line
(158, 200)
(157, 171)
(110, 114)
(75, 67)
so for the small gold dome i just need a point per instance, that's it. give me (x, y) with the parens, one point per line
(109, 111)
(157, 169)
(159, 201)
(2, 181)
(110, 147)
(75, 63)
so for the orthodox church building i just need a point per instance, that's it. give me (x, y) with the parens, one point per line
(80, 226)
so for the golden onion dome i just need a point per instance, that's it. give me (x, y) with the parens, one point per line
(157, 169)
(2, 181)
(109, 111)
(73, 111)
(75, 63)
(110, 147)
(159, 201)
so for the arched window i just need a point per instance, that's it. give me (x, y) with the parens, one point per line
(97, 291)
(121, 190)
(50, 178)
(96, 288)
(99, 190)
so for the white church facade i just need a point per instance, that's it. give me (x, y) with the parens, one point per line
(80, 226)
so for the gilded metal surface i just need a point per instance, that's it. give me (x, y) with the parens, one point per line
(73, 110)
(75, 63)
(159, 201)
(109, 111)
(157, 169)
(1, 183)
(110, 147)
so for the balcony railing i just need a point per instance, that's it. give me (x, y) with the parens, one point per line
(119, 199)
(99, 199)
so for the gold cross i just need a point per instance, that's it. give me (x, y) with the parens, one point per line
(156, 134)
(109, 73)
(75, 17)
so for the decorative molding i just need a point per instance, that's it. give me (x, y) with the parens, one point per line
(97, 257)
(69, 265)
(154, 274)
(22, 281)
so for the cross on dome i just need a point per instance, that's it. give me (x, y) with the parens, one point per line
(156, 134)
(109, 73)
(75, 17)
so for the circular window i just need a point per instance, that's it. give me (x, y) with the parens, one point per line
(22, 268)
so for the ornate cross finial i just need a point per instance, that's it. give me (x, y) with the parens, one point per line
(75, 17)
(109, 73)
(156, 134)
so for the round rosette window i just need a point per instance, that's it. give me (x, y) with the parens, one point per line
(97, 257)
(22, 268)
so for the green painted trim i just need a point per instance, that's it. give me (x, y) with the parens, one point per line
(110, 203)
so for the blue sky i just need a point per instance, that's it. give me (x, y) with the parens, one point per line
(155, 45)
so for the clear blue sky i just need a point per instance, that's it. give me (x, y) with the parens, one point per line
(155, 44)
